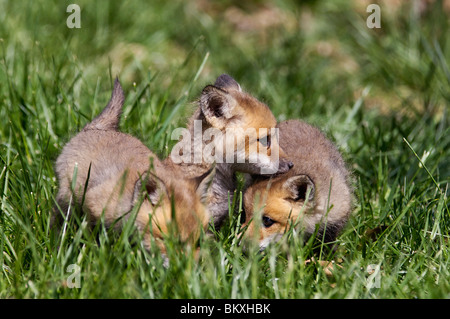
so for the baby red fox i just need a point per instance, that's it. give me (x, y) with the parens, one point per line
(241, 135)
(316, 191)
(113, 170)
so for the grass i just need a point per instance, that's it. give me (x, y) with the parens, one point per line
(381, 94)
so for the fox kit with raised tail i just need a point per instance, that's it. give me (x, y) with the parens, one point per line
(316, 191)
(106, 173)
(236, 132)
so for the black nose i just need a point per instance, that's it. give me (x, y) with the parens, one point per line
(284, 166)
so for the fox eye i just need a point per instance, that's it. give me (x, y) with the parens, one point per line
(267, 221)
(265, 141)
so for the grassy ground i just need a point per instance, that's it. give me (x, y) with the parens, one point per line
(381, 94)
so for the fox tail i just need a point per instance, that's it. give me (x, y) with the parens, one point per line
(108, 119)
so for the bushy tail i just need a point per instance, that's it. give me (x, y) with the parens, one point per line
(108, 120)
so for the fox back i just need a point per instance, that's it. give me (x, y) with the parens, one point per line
(107, 173)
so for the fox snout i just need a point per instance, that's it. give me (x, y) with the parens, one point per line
(284, 163)
(284, 166)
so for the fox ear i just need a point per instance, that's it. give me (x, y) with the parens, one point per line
(298, 188)
(226, 82)
(217, 106)
(203, 184)
(151, 186)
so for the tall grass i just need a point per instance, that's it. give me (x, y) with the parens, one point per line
(381, 95)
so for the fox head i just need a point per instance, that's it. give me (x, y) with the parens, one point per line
(249, 136)
(172, 203)
(272, 206)
(316, 195)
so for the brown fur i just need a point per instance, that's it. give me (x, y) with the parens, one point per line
(225, 106)
(280, 200)
(118, 169)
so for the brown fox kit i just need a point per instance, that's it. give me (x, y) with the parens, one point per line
(316, 191)
(114, 170)
(226, 108)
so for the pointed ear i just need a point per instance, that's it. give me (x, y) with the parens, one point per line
(151, 186)
(203, 184)
(298, 187)
(226, 82)
(217, 106)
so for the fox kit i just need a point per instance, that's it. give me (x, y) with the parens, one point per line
(113, 170)
(227, 117)
(315, 192)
